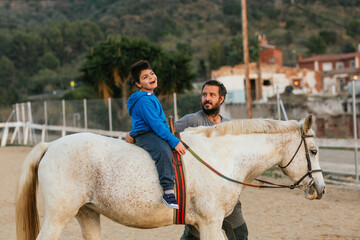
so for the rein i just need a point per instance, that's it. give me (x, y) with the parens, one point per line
(273, 185)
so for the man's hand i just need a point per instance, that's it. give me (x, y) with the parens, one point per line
(180, 148)
(128, 138)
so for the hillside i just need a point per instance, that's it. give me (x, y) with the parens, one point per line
(203, 27)
(201, 23)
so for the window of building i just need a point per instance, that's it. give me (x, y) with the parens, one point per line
(267, 82)
(272, 60)
(327, 66)
(352, 63)
(339, 65)
(342, 83)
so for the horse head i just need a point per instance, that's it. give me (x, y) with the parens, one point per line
(303, 167)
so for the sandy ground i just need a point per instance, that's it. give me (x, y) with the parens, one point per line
(270, 214)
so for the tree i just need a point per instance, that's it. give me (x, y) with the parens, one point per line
(5, 41)
(53, 40)
(235, 54)
(44, 79)
(161, 25)
(353, 28)
(26, 48)
(231, 7)
(174, 73)
(216, 55)
(185, 49)
(202, 70)
(347, 47)
(107, 67)
(329, 37)
(234, 51)
(9, 89)
(49, 61)
(77, 37)
(316, 45)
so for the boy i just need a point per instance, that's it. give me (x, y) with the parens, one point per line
(150, 130)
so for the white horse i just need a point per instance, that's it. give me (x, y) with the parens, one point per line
(85, 175)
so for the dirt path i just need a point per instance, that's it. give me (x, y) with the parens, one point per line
(270, 214)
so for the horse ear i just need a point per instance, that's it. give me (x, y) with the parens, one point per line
(308, 122)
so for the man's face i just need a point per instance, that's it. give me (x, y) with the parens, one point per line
(210, 100)
(147, 80)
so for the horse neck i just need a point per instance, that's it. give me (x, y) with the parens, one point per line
(267, 151)
(243, 157)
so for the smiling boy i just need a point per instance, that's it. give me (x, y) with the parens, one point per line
(150, 129)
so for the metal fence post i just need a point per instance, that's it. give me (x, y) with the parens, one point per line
(283, 109)
(110, 114)
(175, 107)
(32, 130)
(85, 115)
(23, 122)
(278, 102)
(17, 129)
(44, 137)
(355, 129)
(64, 118)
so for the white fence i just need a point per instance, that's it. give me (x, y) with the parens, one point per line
(29, 123)
(20, 124)
(24, 132)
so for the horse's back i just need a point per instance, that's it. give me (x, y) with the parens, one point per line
(110, 175)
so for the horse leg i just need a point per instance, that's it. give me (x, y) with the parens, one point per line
(59, 210)
(89, 221)
(211, 231)
(54, 223)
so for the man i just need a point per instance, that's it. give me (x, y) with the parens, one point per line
(213, 94)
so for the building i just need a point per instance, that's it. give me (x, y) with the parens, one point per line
(269, 54)
(267, 76)
(264, 79)
(337, 70)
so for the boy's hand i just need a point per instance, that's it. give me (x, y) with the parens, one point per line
(180, 148)
(128, 138)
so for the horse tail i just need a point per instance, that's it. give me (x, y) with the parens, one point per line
(27, 217)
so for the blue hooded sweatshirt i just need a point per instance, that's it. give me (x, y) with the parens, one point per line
(148, 115)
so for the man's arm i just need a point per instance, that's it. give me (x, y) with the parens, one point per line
(182, 123)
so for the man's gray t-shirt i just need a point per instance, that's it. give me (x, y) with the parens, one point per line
(235, 219)
(195, 120)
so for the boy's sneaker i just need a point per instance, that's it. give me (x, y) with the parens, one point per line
(170, 200)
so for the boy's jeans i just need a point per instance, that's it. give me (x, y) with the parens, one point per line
(161, 152)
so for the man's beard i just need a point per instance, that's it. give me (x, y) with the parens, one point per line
(213, 111)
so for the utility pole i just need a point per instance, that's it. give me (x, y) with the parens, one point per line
(246, 58)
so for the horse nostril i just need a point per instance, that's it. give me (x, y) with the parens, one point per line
(324, 190)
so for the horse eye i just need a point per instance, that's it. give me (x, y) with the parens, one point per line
(313, 152)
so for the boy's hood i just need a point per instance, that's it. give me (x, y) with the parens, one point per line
(134, 98)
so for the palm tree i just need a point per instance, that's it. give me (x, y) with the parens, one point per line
(108, 64)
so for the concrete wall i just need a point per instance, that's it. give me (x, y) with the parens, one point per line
(333, 117)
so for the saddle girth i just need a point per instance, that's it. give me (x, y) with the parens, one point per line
(180, 191)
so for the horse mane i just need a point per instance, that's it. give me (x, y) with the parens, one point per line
(248, 126)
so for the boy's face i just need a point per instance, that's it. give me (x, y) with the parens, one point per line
(147, 81)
